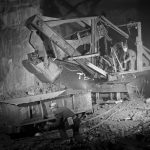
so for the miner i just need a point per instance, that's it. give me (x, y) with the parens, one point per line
(65, 119)
(129, 58)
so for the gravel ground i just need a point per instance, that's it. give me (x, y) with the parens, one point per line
(126, 126)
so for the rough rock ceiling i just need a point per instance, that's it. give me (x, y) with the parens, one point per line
(12, 5)
(67, 8)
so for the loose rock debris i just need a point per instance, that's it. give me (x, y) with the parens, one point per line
(125, 125)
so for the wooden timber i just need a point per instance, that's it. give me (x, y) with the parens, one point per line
(56, 22)
(35, 98)
(84, 56)
(139, 48)
(110, 88)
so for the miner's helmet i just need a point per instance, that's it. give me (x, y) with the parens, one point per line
(53, 105)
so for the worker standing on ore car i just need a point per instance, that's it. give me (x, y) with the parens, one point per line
(65, 119)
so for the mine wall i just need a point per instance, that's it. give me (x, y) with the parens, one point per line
(14, 48)
(16, 80)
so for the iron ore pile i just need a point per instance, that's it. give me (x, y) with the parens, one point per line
(124, 125)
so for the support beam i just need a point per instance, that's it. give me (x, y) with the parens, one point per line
(139, 48)
(147, 49)
(146, 54)
(85, 56)
(35, 98)
(93, 48)
(114, 27)
(99, 70)
(113, 88)
(57, 22)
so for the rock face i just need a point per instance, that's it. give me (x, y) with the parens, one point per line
(14, 48)
(15, 80)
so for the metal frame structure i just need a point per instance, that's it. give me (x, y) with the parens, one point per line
(44, 25)
(92, 21)
(115, 83)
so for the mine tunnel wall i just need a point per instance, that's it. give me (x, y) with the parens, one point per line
(15, 80)
(14, 48)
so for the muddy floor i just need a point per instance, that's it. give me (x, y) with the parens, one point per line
(124, 125)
